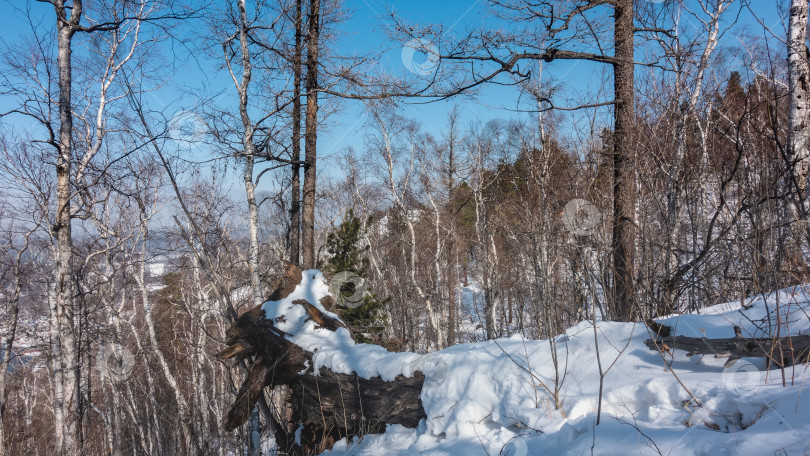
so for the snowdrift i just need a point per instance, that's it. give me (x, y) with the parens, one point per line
(496, 397)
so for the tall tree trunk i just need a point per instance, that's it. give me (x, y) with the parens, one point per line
(63, 347)
(183, 411)
(250, 157)
(253, 229)
(799, 113)
(492, 286)
(452, 283)
(410, 256)
(624, 187)
(441, 330)
(676, 182)
(311, 137)
(6, 350)
(250, 188)
(486, 244)
(452, 255)
(295, 190)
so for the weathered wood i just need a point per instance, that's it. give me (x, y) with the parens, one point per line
(291, 278)
(784, 351)
(657, 328)
(323, 320)
(321, 409)
(332, 406)
(277, 362)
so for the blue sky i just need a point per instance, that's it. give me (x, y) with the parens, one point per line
(365, 31)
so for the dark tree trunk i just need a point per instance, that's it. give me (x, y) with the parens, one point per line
(334, 406)
(624, 187)
(311, 138)
(295, 186)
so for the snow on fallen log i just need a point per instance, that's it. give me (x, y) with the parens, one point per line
(778, 351)
(336, 388)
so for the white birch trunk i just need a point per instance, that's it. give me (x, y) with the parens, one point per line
(183, 411)
(712, 27)
(63, 347)
(440, 324)
(433, 318)
(799, 87)
(242, 87)
(6, 350)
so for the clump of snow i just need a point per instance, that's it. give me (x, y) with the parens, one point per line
(334, 350)
(494, 397)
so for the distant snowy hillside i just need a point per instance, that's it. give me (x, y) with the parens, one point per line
(495, 397)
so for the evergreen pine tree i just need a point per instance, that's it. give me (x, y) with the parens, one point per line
(360, 309)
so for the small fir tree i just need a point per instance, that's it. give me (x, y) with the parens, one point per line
(347, 259)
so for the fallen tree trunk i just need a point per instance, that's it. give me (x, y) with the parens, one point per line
(332, 406)
(779, 351)
(321, 409)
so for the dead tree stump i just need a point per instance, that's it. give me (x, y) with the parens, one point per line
(323, 408)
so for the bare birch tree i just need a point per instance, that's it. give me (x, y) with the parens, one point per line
(798, 142)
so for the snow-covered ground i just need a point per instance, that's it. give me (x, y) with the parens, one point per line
(494, 397)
